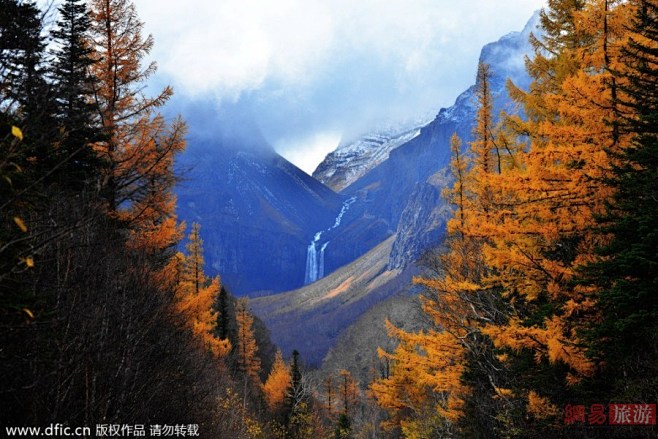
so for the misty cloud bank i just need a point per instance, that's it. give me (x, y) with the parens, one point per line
(307, 72)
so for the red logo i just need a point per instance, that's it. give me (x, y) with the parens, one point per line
(574, 414)
(618, 414)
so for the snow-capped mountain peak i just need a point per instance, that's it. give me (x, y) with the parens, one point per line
(354, 158)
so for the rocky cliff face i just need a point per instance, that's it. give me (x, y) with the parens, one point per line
(402, 192)
(423, 221)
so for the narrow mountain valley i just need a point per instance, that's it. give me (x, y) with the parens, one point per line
(488, 271)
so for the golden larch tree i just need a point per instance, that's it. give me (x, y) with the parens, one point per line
(248, 362)
(558, 191)
(547, 197)
(348, 391)
(425, 389)
(277, 384)
(196, 296)
(139, 144)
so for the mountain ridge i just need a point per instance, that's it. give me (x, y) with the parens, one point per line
(257, 211)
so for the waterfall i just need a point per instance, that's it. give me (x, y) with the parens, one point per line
(312, 270)
(345, 208)
(315, 251)
(311, 264)
(321, 265)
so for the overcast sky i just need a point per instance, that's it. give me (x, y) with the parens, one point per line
(314, 71)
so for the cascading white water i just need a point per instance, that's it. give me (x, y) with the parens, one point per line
(315, 252)
(346, 206)
(311, 264)
(312, 270)
(321, 264)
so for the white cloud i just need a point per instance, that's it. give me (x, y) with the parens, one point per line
(304, 151)
(227, 47)
(313, 66)
(230, 46)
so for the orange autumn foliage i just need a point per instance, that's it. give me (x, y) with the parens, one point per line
(139, 145)
(551, 199)
(248, 361)
(427, 367)
(525, 199)
(277, 383)
(424, 365)
(348, 391)
(540, 407)
(196, 296)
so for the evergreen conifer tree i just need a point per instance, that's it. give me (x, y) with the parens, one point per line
(25, 93)
(223, 316)
(79, 126)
